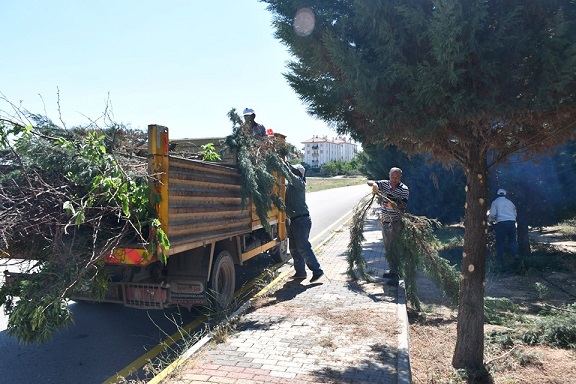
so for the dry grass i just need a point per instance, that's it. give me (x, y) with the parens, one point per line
(432, 343)
(433, 334)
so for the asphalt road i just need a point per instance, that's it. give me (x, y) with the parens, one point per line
(331, 207)
(106, 338)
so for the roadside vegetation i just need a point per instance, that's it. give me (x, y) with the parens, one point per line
(529, 313)
(446, 97)
(67, 198)
(315, 184)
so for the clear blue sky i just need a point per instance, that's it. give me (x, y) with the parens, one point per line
(179, 63)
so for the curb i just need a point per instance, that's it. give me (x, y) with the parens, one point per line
(403, 357)
(403, 364)
(243, 308)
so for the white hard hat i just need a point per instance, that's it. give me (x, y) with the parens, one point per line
(300, 168)
(249, 111)
(501, 192)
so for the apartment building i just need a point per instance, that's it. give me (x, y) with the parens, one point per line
(320, 150)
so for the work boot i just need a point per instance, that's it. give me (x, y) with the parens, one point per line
(316, 277)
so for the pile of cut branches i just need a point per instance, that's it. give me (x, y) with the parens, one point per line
(258, 160)
(67, 198)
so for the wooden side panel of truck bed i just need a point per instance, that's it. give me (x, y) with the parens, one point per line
(204, 204)
(201, 202)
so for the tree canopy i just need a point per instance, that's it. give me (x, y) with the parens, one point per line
(432, 76)
(465, 81)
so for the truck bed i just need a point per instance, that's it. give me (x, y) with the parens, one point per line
(204, 204)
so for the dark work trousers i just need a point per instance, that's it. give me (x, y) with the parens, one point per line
(300, 247)
(506, 231)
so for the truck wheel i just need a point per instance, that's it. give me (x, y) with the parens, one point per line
(280, 252)
(223, 279)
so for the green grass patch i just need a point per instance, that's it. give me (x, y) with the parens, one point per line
(315, 184)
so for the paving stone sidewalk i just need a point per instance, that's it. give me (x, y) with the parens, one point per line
(335, 330)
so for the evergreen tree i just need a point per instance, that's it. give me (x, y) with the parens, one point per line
(464, 80)
(565, 160)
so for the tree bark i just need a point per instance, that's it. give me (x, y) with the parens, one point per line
(522, 224)
(523, 236)
(469, 351)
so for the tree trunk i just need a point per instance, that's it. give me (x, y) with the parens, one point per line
(469, 351)
(523, 236)
(522, 223)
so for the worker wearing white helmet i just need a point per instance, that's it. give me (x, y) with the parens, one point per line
(250, 120)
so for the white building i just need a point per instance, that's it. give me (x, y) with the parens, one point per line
(321, 150)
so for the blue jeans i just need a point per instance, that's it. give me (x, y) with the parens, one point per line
(506, 230)
(300, 247)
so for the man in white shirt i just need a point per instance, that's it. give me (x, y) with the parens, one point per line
(503, 214)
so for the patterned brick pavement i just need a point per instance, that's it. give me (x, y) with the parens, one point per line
(332, 331)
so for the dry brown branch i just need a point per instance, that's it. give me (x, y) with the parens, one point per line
(501, 356)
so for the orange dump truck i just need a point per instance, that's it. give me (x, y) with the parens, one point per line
(210, 230)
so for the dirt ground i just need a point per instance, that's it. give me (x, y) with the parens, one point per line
(433, 331)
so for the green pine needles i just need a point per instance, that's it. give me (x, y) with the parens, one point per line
(258, 160)
(415, 248)
(356, 262)
(68, 198)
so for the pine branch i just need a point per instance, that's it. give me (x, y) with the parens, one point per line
(416, 247)
(356, 262)
(258, 160)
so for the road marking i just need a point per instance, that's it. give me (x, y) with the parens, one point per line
(154, 352)
(330, 227)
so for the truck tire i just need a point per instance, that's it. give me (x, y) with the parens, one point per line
(280, 252)
(223, 279)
